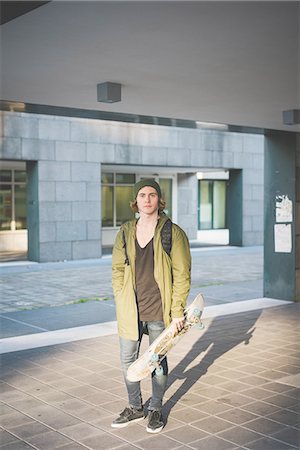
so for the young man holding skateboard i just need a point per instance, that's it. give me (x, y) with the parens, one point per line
(151, 286)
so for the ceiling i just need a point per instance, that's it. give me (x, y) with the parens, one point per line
(225, 62)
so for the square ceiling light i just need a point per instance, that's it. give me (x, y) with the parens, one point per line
(109, 92)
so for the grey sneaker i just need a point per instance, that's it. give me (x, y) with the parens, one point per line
(129, 415)
(155, 422)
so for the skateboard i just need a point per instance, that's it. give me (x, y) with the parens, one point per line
(152, 358)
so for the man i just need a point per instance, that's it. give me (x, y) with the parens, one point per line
(151, 288)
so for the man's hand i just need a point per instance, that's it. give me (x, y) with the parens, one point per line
(178, 324)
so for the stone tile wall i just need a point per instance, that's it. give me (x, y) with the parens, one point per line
(69, 153)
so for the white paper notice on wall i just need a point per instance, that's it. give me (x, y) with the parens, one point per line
(284, 209)
(283, 237)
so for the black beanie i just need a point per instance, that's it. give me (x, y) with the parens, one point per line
(146, 182)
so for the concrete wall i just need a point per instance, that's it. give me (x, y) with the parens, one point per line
(69, 153)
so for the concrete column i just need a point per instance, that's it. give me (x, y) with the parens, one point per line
(33, 211)
(187, 199)
(280, 184)
(298, 217)
(235, 207)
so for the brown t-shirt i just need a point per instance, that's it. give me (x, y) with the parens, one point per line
(148, 293)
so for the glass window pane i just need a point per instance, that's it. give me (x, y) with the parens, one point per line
(20, 206)
(166, 192)
(107, 206)
(125, 178)
(5, 207)
(219, 202)
(5, 175)
(205, 205)
(107, 178)
(123, 199)
(20, 175)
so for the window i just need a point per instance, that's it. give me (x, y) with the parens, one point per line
(212, 204)
(12, 200)
(116, 196)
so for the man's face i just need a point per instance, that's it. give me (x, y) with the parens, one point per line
(147, 200)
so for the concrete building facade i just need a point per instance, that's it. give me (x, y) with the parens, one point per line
(65, 157)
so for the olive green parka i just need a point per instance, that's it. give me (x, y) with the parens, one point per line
(172, 274)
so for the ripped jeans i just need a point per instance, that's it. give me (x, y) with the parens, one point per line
(129, 352)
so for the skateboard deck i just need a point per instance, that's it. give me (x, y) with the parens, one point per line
(158, 350)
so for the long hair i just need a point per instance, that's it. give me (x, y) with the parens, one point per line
(161, 205)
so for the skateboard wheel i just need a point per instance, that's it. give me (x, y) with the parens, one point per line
(154, 357)
(201, 325)
(159, 372)
(196, 311)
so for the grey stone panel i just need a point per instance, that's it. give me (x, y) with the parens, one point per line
(55, 251)
(94, 230)
(252, 176)
(252, 207)
(233, 142)
(258, 161)
(128, 154)
(253, 143)
(179, 157)
(257, 223)
(116, 133)
(86, 249)
(238, 160)
(154, 156)
(10, 148)
(47, 191)
(258, 193)
(217, 160)
(38, 149)
(93, 192)
(247, 192)
(70, 151)
(47, 232)
(85, 171)
(201, 158)
(100, 153)
(50, 129)
(247, 223)
(86, 211)
(26, 127)
(252, 238)
(139, 135)
(213, 140)
(55, 212)
(79, 131)
(70, 191)
(71, 231)
(54, 171)
(228, 160)
(247, 159)
(192, 139)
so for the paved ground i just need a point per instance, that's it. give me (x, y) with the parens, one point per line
(233, 386)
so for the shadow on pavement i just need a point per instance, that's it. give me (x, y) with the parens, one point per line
(222, 335)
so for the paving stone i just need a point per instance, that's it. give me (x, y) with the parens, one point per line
(239, 435)
(6, 438)
(29, 429)
(186, 434)
(49, 441)
(268, 443)
(212, 443)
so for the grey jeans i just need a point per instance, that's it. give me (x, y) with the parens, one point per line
(129, 352)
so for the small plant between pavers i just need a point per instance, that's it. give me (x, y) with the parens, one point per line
(90, 299)
(213, 283)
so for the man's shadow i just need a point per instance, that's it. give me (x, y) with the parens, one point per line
(222, 335)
